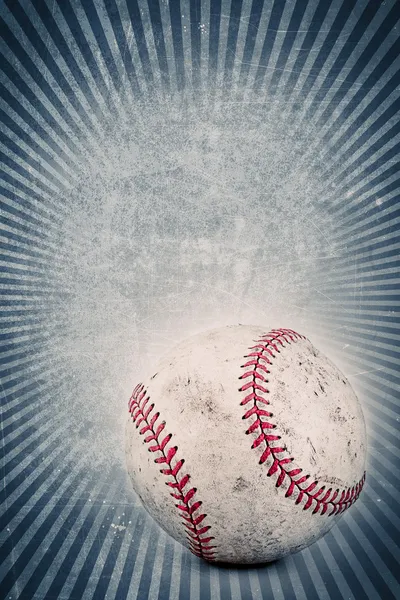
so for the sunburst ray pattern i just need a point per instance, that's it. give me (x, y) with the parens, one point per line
(170, 166)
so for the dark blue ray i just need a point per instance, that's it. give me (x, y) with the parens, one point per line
(13, 395)
(305, 577)
(377, 238)
(25, 90)
(20, 213)
(269, 40)
(123, 46)
(37, 43)
(388, 157)
(340, 62)
(379, 514)
(195, 38)
(376, 41)
(244, 584)
(98, 32)
(307, 45)
(373, 127)
(381, 432)
(184, 587)
(141, 42)
(112, 557)
(40, 198)
(205, 580)
(166, 570)
(24, 418)
(360, 316)
(177, 40)
(87, 53)
(26, 157)
(375, 540)
(126, 575)
(15, 281)
(346, 570)
(16, 441)
(284, 579)
(62, 46)
(233, 29)
(367, 113)
(17, 250)
(368, 152)
(265, 584)
(251, 35)
(32, 547)
(287, 45)
(325, 50)
(30, 491)
(387, 472)
(378, 287)
(35, 316)
(325, 572)
(149, 562)
(54, 548)
(43, 156)
(159, 41)
(38, 129)
(370, 201)
(25, 228)
(82, 579)
(214, 35)
(378, 328)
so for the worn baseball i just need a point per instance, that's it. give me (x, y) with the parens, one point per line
(246, 444)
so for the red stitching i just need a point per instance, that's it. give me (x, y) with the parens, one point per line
(140, 413)
(265, 349)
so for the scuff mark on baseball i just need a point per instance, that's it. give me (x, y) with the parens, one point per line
(247, 445)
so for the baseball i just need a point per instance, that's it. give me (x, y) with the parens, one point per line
(246, 444)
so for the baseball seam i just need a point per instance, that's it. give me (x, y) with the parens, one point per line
(140, 410)
(260, 356)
